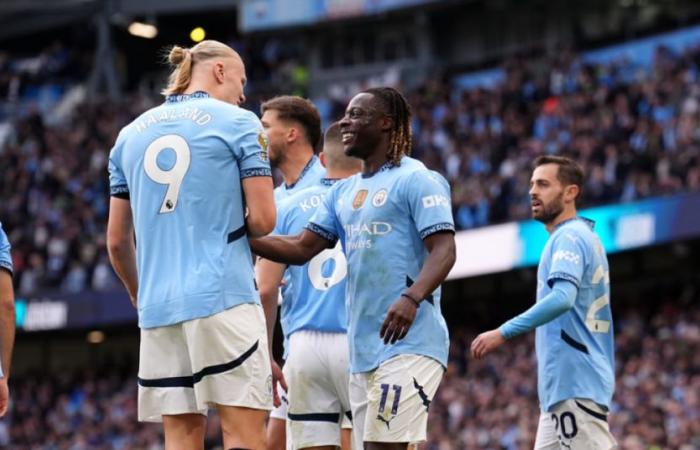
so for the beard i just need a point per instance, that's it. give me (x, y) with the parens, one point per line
(550, 211)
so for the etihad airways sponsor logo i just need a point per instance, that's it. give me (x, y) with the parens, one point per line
(367, 229)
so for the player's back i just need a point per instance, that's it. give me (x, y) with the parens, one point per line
(576, 350)
(314, 298)
(182, 164)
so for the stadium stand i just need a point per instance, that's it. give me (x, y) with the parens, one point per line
(633, 129)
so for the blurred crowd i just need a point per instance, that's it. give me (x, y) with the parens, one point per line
(481, 405)
(635, 130)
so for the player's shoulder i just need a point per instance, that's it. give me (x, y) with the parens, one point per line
(577, 232)
(413, 173)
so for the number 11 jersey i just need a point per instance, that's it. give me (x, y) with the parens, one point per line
(181, 164)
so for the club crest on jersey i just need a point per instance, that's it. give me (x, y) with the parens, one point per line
(360, 198)
(262, 140)
(379, 198)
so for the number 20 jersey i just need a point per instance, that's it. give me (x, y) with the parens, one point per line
(575, 351)
(181, 164)
(314, 297)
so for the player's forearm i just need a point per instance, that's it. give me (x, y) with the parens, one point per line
(437, 265)
(269, 304)
(123, 259)
(281, 249)
(554, 304)
(7, 322)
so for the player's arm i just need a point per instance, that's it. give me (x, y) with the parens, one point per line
(121, 246)
(557, 302)
(7, 334)
(428, 202)
(258, 194)
(441, 258)
(269, 276)
(295, 250)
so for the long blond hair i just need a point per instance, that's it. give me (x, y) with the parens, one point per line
(184, 60)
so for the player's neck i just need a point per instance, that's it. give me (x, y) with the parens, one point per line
(293, 164)
(567, 214)
(374, 162)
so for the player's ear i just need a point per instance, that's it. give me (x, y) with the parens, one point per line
(218, 71)
(292, 134)
(571, 192)
(386, 123)
(322, 158)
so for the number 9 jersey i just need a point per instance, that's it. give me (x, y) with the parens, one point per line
(181, 164)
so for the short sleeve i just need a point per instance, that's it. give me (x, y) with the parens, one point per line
(324, 222)
(429, 202)
(282, 224)
(117, 181)
(568, 254)
(5, 254)
(249, 144)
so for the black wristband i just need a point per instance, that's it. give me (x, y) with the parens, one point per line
(415, 302)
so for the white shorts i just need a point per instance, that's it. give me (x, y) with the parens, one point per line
(390, 403)
(317, 376)
(280, 412)
(575, 424)
(191, 366)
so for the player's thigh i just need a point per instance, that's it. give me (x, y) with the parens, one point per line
(276, 433)
(165, 375)
(243, 428)
(399, 393)
(184, 431)
(230, 359)
(315, 410)
(582, 425)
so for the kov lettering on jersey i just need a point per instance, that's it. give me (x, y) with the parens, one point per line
(312, 202)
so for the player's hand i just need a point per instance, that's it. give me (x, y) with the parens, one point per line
(486, 342)
(277, 377)
(398, 320)
(4, 396)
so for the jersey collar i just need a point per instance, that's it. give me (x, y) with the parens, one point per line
(585, 220)
(386, 166)
(303, 172)
(177, 98)
(329, 181)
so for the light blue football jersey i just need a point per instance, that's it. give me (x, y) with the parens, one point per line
(310, 175)
(5, 256)
(381, 221)
(575, 351)
(181, 164)
(314, 297)
(5, 263)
